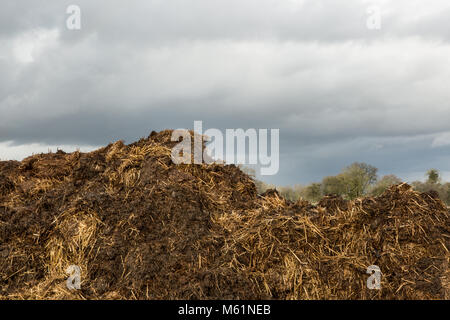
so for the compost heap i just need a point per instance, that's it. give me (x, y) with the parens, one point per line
(140, 227)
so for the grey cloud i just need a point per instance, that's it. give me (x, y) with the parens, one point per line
(161, 22)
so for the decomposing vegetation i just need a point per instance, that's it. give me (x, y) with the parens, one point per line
(141, 227)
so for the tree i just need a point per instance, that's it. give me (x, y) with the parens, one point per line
(443, 189)
(433, 176)
(446, 193)
(357, 178)
(333, 185)
(312, 192)
(385, 182)
(287, 192)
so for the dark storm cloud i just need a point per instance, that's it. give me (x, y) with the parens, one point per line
(338, 91)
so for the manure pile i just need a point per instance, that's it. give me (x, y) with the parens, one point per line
(140, 227)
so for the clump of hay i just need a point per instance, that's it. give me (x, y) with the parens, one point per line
(315, 254)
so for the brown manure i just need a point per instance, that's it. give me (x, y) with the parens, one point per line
(141, 227)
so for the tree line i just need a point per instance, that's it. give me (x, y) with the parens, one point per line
(354, 181)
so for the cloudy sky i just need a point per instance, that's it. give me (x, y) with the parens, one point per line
(338, 91)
